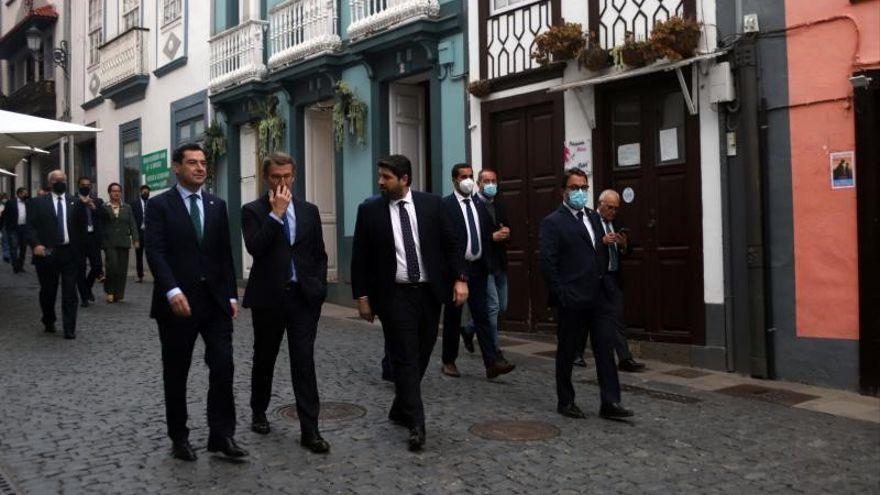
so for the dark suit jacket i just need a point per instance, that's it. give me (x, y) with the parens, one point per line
(177, 259)
(9, 218)
(43, 226)
(138, 212)
(575, 268)
(373, 259)
(498, 257)
(460, 227)
(272, 252)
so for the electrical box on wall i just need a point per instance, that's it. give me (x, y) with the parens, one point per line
(444, 53)
(721, 83)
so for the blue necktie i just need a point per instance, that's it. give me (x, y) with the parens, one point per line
(59, 219)
(413, 273)
(286, 228)
(472, 228)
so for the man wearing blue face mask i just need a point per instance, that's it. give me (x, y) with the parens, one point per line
(574, 262)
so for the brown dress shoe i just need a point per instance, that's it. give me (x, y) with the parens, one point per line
(499, 368)
(450, 370)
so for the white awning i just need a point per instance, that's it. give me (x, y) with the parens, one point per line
(22, 134)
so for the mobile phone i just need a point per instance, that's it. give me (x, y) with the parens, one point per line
(623, 230)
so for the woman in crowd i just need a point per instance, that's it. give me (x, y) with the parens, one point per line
(120, 232)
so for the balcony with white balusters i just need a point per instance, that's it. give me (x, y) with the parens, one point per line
(372, 16)
(124, 67)
(237, 56)
(302, 29)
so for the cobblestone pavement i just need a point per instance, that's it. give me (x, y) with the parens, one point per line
(86, 416)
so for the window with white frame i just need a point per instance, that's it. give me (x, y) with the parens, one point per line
(96, 28)
(499, 5)
(170, 10)
(131, 14)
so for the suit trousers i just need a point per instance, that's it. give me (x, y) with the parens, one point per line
(117, 271)
(92, 255)
(621, 348)
(410, 329)
(178, 337)
(17, 246)
(478, 305)
(301, 323)
(573, 326)
(63, 263)
(139, 255)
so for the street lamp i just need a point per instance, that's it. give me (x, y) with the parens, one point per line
(60, 55)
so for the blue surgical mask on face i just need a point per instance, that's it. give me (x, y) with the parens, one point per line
(490, 190)
(577, 199)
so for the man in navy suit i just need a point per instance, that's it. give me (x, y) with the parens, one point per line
(190, 256)
(473, 226)
(286, 288)
(406, 261)
(575, 264)
(139, 208)
(13, 222)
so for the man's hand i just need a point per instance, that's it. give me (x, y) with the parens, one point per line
(235, 309)
(137, 245)
(40, 250)
(279, 199)
(501, 234)
(364, 309)
(459, 292)
(609, 239)
(88, 201)
(180, 305)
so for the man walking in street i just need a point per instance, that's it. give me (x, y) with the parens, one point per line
(190, 256)
(404, 244)
(473, 226)
(139, 208)
(91, 244)
(14, 224)
(56, 225)
(575, 265)
(286, 288)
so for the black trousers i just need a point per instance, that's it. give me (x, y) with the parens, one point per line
(139, 255)
(62, 264)
(178, 337)
(621, 348)
(92, 255)
(574, 325)
(18, 246)
(301, 323)
(410, 328)
(477, 301)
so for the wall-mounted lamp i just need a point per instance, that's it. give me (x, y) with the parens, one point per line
(60, 55)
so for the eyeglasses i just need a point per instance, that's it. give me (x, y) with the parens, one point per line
(575, 188)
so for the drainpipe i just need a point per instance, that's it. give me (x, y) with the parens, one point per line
(468, 158)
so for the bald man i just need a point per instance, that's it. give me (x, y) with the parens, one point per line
(616, 240)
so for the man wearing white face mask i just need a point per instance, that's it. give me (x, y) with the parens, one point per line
(473, 225)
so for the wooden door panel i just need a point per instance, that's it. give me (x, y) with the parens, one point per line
(673, 218)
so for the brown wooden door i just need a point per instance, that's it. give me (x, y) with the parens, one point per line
(647, 148)
(522, 141)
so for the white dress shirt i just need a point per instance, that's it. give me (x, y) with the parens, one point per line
(586, 221)
(609, 228)
(55, 198)
(22, 211)
(143, 213)
(290, 213)
(401, 274)
(467, 251)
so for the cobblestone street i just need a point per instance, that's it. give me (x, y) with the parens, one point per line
(86, 416)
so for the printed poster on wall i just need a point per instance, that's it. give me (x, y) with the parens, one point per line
(843, 169)
(154, 166)
(576, 153)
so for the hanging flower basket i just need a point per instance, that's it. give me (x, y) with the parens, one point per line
(676, 37)
(634, 53)
(479, 88)
(559, 43)
(593, 56)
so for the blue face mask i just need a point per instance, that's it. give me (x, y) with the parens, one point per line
(577, 199)
(490, 190)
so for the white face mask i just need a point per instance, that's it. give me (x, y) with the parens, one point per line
(466, 186)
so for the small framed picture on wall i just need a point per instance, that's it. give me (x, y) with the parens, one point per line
(842, 169)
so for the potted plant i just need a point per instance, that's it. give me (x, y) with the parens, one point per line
(633, 53)
(559, 43)
(479, 88)
(215, 148)
(351, 111)
(676, 37)
(270, 127)
(593, 56)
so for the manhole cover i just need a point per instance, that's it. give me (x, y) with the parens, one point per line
(686, 373)
(766, 394)
(330, 411)
(515, 431)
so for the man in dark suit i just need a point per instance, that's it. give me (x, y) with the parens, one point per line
(405, 258)
(195, 293)
(56, 232)
(616, 241)
(473, 226)
(91, 244)
(14, 225)
(285, 290)
(139, 207)
(575, 264)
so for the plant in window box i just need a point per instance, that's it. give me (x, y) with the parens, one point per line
(479, 88)
(559, 43)
(593, 56)
(633, 53)
(676, 37)
(215, 148)
(351, 110)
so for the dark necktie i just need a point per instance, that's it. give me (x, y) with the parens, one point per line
(472, 228)
(286, 228)
(580, 217)
(613, 263)
(195, 215)
(59, 219)
(409, 245)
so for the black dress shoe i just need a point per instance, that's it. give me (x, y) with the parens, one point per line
(579, 361)
(315, 443)
(388, 377)
(84, 304)
(631, 365)
(69, 336)
(416, 439)
(183, 450)
(468, 339)
(91, 296)
(49, 327)
(398, 419)
(571, 411)
(614, 411)
(499, 368)
(227, 446)
(259, 424)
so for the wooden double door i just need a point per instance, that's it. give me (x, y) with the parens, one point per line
(647, 149)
